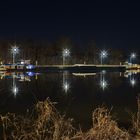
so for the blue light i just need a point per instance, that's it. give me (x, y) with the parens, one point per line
(30, 73)
(30, 67)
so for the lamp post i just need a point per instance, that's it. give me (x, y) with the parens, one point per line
(14, 51)
(65, 53)
(132, 57)
(103, 55)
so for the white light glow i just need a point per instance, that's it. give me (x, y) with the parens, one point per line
(66, 52)
(133, 55)
(14, 90)
(14, 49)
(133, 82)
(103, 84)
(66, 86)
(103, 54)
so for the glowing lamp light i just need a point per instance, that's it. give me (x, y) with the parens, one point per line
(133, 82)
(14, 90)
(30, 67)
(14, 49)
(133, 55)
(66, 52)
(103, 84)
(30, 73)
(66, 86)
(103, 55)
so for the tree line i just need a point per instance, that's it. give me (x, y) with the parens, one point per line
(45, 52)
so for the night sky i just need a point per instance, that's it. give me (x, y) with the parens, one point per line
(116, 24)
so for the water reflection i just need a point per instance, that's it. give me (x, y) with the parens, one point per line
(132, 79)
(17, 77)
(15, 90)
(133, 82)
(75, 92)
(128, 73)
(103, 82)
(14, 87)
(66, 82)
(66, 86)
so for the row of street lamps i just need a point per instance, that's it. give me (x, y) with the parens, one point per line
(66, 53)
(103, 55)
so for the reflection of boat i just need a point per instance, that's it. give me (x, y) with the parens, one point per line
(130, 72)
(133, 71)
(18, 75)
(84, 74)
(2, 68)
(21, 67)
(14, 67)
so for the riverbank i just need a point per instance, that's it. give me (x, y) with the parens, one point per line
(44, 122)
(73, 68)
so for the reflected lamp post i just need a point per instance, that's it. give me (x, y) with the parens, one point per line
(103, 82)
(14, 88)
(65, 82)
(132, 80)
(14, 51)
(66, 86)
(103, 55)
(65, 54)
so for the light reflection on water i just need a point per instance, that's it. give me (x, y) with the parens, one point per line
(75, 92)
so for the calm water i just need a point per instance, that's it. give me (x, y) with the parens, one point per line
(76, 94)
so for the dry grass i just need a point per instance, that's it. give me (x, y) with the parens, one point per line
(104, 128)
(46, 123)
(136, 122)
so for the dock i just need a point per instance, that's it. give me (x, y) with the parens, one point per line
(75, 67)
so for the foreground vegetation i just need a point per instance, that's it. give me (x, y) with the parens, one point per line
(45, 123)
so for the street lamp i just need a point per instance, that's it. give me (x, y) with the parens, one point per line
(14, 51)
(103, 55)
(65, 53)
(132, 56)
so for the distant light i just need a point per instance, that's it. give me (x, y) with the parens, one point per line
(66, 52)
(30, 73)
(66, 86)
(103, 71)
(103, 54)
(22, 62)
(14, 49)
(133, 82)
(15, 90)
(103, 84)
(30, 67)
(133, 55)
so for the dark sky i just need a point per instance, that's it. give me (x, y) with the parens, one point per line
(114, 23)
